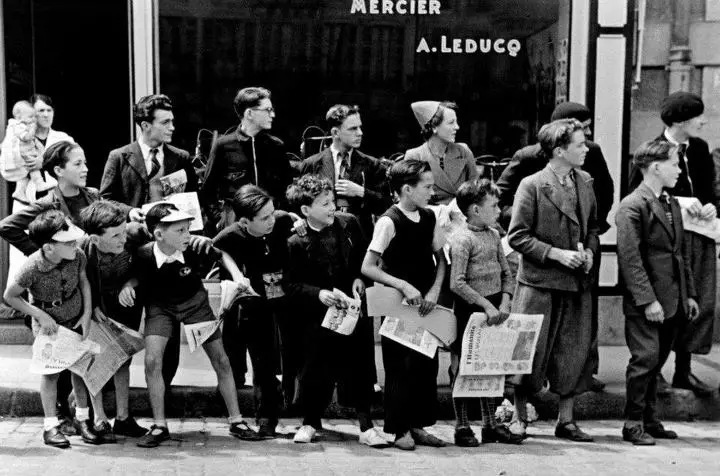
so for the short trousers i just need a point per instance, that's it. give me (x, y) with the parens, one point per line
(164, 319)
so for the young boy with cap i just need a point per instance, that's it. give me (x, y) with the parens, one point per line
(168, 275)
(59, 296)
(683, 116)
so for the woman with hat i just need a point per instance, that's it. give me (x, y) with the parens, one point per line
(451, 163)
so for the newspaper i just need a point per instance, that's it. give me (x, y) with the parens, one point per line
(187, 202)
(118, 342)
(709, 227)
(507, 348)
(475, 386)
(343, 321)
(53, 353)
(173, 183)
(223, 294)
(410, 335)
(197, 334)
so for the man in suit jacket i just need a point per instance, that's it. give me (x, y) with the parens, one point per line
(657, 281)
(132, 172)
(132, 176)
(554, 228)
(360, 181)
(683, 116)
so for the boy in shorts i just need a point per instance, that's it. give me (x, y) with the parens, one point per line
(168, 275)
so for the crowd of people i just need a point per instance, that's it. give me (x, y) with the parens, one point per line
(427, 225)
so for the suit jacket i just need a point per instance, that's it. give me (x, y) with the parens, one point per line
(13, 227)
(531, 159)
(364, 170)
(542, 220)
(653, 256)
(459, 167)
(125, 178)
(702, 174)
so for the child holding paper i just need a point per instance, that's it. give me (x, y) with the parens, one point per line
(60, 296)
(110, 272)
(167, 271)
(329, 256)
(407, 241)
(481, 279)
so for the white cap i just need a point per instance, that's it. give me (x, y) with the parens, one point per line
(424, 111)
(73, 233)
(175, 216)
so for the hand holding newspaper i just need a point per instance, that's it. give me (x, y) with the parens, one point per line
(53, 353)
(691, 222)
(343, 320)
(187, 202)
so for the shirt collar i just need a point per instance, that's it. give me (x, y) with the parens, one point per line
(673, 141)
(477, 228)
(334, 151)
(44, 265)
(161, 258)
(145, 149)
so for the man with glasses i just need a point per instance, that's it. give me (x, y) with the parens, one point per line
(247, 155)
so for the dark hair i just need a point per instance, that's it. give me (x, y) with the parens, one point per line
(249, 200)
(407, 172)
(337, 114)
(157, 213)
(427, 130)
(144, 110)
(474, 192)
(652, 151)
(558, 134)
(41, 97)
(45, 225)
(247, 98)
(101, 215)
(305, 189)
(57, 156)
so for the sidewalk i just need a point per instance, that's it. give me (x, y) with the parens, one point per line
(194, 393)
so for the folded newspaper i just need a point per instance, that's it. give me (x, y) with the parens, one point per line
(53, 353)
(706, 227)
(343, 321)
(173, 183)
(118, 342)
(410, 335)
(491, 352)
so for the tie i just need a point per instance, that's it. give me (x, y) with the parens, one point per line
(682, 150)
(665, 201)
(344, 165)
(155, 168)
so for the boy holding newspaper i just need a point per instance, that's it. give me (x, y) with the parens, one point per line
(168, 274)
(481, 279)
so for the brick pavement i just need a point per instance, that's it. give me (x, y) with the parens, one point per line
(202, 447)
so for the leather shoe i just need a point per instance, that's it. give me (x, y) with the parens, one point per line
(637, 436)
(86, 433)
(423, 438)
(657, 430)
(66, 427)
(500, 434)
(570, 431)
(465, 438)
(692, 383)
(54, 437)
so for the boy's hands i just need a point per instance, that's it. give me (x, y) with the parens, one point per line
(415, 298)
(693, 309)
(329, 299)
(47, 323)
(136, 215)
(568, 258)
(85, 323)
(127, 296)
(358, 287)
(654, 312)
(201, 244)
(299, 225)
(100, 316)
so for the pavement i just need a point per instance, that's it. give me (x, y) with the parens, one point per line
(202, 447)
(194, 394)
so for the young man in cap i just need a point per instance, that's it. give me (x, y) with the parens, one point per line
(682, 114)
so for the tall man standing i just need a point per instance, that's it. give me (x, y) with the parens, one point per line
(682, 114)
(360, 184)
(132, 176)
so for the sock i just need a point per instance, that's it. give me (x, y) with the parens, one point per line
(82, 414)
(460, 406)
(235, 419)
(365, 421)
(487, 409)
(160, 423)
(50, 422)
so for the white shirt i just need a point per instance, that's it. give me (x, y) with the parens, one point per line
(161, 258)
(336, 161)
(684, 158)
(145, 149)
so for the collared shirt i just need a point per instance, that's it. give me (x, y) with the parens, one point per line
(684, 158)
(161, 258)
(336, 161)
(160, 156)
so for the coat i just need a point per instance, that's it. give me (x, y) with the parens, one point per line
(125, 178)
(364, 170)
(459, 168)
(653, 257)
(541, 220)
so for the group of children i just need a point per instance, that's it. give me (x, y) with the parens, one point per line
(90, 270)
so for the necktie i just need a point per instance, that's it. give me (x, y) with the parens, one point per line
(155, 168)
(344, 165)
(665, 201)
(684, 167)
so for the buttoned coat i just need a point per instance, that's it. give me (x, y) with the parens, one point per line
(542, 220)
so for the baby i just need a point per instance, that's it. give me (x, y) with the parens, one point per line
(20, 149)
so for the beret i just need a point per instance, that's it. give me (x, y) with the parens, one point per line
(571, 110)
(680, 106)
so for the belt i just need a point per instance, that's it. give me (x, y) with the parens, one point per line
(54, 303)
